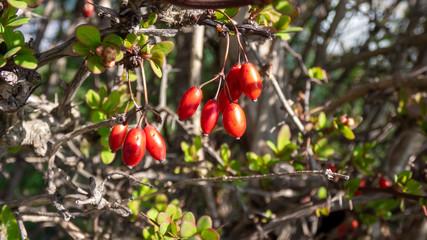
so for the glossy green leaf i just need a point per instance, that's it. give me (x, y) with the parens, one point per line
(17, 3)
(98, 116)
(351, 186)
(157, 57)
(322, 193)
(251, 156)
(188, 229)
(346, 132)
(171, 209)
(161, 202)
(273, 147)
(189, 216)
(316, 72)
(3, 62)
(282, 6)
(284, 36)
(165, 47)
(150, 21)
(81, 49)
(18, 22)
(9, 224)
(25, 60)
(88, 35)
(152, 214)
(156, 69)
(12, 52)
(102, 92)
(95, 64)
(1, 28)
(292, 29)
(12, 38)
(163, 229)
(321, 120)
(198, 142)
(185, 148)
(92, 99)
(283, 137)
(107, 156)
(130, 40)
(210, 234)
(235, 165)
(230, 12)
(254, 166)
(282, 23)
(225, 152)
(114, 97)
(204, 222)
(142, 40)
(113, 39)
(177, 215)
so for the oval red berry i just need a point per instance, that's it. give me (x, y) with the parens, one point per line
(189, 102)
(155, 144)
(233, 83)
(234, 120)
(209, 116)
(223, 101)
(117, 136)
(88, 9)
(134, 147)
(250, 81)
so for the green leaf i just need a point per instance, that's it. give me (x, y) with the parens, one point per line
(231, 12)
(188, 229)
(322, 193)
(25, 60)
(18, 22)
(157, 57)
(113, 39)
(170, 210)
(150, 21)
(185, 148)
(198, 143)
(273, 147)
(9, 224)
(235, 165)
(152, 214)
(156, 69)
(1, 28)
(102, 92)
(12, 38)
(346, 132)
(283, 7)
(177, 215)
(251, 156)
(3, 62)
(81, 49)
(225, 152)
(189, 216)
(163, 217)
(17, 3)
(161, 202)
(291, 29)
(142, 40)
(104, 131)
(351, 186)
(283, 137)
(92, 99)
(203, 223)
(321, 120)
(114, 98)
(107, 156)
(210, 234)
(316, 72)
(282, 23)
(95, 64)
(284, 36)
(163, 229)
(11, 52)
(254, 166)
(165, 47)
(98, 116)
(88, 35)
(130, 40)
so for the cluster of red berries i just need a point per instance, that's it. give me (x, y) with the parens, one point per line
(135, 143)
(241, 79)
(347, 121)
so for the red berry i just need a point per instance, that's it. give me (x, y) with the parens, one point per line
(384, 183)
(361, 185)
(134, 147)
(332, 167)
(209, 116)
(234, 120)
(117, 136)
(189, 103)
(155, 144)
(223, 101)
(250, 81)
(88, 9)
(343, 119)
(233, 83)
(354, 225)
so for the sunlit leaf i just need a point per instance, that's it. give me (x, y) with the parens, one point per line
(107, 156)
(188, 229)
(88, 35)
(204, 222)
(165, 47)
(282, 6)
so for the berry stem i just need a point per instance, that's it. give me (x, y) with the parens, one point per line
(213, 79)
(217, 89)
(130, 90)
(144, 82)
(237, 34)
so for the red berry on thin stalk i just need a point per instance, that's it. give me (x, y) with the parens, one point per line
(155, 144)
(234, 120)
(223, 101)
(233, 83)
(134, 147)
(189, 103)
(88, 8)
(384, 183)
(250, 81)
(117, 136)
(209, 116)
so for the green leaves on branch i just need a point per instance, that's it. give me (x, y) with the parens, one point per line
(9, 226)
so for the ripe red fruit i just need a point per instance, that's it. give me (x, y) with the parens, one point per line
(332, 167)
(354, 226)
(88, 9)
(384, 183)
(233, 83)
(234, 120)
(189, 103)
(250, 81)
(117, 136)
(343, 119)
(155, 144)
(134, 147)
(361, 185)
(209, 116)
(224, 101)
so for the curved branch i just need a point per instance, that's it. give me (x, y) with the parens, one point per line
(216, 4)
